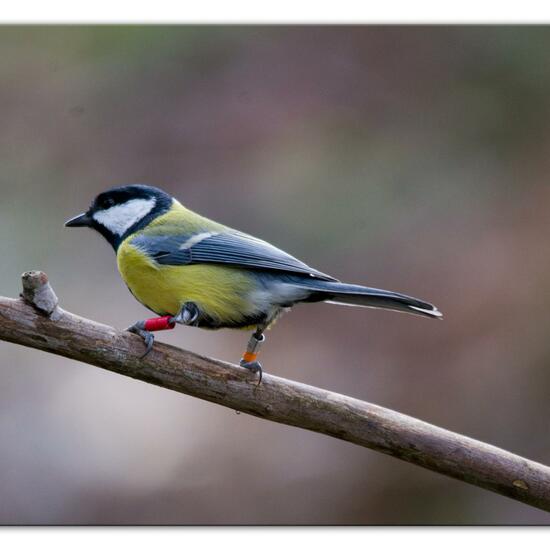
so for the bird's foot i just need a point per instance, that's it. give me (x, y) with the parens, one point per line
(148, 336)
(145, 329)
(248, 360)
(188, 314)
(253, 366)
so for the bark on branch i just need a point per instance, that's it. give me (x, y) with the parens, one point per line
(36, 321)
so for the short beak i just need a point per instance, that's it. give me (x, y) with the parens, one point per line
(82, 220)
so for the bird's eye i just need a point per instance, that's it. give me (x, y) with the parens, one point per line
(108, 202)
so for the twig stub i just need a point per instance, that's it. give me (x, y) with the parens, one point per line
(38, 292)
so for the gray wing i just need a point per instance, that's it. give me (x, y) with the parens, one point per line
(234, 249)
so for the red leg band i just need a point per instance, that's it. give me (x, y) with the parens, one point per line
(159, 323)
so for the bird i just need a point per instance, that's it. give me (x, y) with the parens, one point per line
(190, 270)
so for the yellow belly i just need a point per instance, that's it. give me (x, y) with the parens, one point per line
(220, 292)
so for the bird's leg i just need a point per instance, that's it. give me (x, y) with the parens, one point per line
(188, 314)
(146, 328)
(248, 360)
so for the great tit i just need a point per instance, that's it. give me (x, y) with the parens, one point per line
(194, 271)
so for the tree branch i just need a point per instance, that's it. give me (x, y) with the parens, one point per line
(36, 321)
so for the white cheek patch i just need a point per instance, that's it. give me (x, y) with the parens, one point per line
(118, 219)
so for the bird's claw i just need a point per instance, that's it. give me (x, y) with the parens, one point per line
(148, 336)
(253, 366)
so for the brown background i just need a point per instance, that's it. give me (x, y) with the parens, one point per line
(409, 158)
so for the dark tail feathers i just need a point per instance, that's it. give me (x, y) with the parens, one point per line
(362, 296)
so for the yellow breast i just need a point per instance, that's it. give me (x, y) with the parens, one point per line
(219, 291)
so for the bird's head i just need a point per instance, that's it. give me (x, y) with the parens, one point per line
(120, 211)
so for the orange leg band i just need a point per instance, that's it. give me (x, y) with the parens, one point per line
(249, 357)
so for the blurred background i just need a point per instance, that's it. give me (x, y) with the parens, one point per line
(409, 158)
